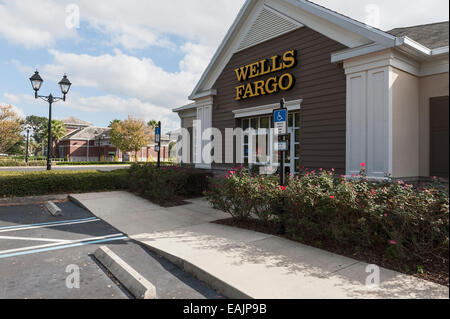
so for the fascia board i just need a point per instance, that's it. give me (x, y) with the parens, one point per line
(244, 10)
(346, 22)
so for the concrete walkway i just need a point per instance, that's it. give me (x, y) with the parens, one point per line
(246, 264)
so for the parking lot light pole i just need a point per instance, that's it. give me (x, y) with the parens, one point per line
(36, 82)
(28, 137)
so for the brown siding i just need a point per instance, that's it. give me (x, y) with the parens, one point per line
(321, 85)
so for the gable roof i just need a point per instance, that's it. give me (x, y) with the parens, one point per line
(343, 29)
(358, 37)
(432, 36)
(87, 133)
(75, 121)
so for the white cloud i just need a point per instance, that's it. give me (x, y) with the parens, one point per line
(130, 106)
(33, 23)
(131, 76)
(393, 14)
(133, 24)
(11, 97)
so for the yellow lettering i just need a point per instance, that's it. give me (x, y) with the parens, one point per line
(275, 66)
(289, 84)
(259, 88)
(241, 73)
(254, 70)
(289, 59)
(263, 68)
(274, 87)
(239, 90)
(248, 91)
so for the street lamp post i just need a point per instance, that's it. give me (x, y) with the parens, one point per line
(36, 82)
(27, 128)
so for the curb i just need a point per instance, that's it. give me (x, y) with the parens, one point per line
(219, 285)
(135, 283)
(78, 203)
(32, 199)
(52, 208)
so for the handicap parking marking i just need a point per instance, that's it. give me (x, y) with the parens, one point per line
(50, 244)
(61, 241)
(49, 224)
(55, 246)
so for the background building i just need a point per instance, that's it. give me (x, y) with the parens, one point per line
(87, 143)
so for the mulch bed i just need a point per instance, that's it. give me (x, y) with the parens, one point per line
(435, 270)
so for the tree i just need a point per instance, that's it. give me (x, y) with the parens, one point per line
(58, 132)
(10, 128)
(112, 122)
(153, 124)
(38, 125)
(130, 135)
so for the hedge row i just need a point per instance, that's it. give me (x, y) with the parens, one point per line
(15, 163)
(408, 223)
(168, 185)
(91, 163)
(19, 184)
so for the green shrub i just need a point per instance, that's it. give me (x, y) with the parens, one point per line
(18, 184)
(168, 184)
(15, 163)
(102, 163)
(408, 222)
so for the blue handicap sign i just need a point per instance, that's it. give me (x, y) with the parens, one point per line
(158, 131)
(280, 116)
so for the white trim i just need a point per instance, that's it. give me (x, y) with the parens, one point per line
(405, 41)
(336, 26)
(355, 52)
(203, 94)
(293, 105)
(439, 51)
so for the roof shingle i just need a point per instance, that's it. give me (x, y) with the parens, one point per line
(434, 35)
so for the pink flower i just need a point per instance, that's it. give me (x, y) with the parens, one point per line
(283, 188)
(332, 197)
(363, 164)
(385, 215)
(393, 242)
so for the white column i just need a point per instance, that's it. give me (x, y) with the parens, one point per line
(369, 118)
(204, 121)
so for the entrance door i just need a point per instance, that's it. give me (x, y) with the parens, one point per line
(439, 136)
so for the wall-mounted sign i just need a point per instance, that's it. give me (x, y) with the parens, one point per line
(271, 85)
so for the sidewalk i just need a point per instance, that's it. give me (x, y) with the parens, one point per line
(247, 264)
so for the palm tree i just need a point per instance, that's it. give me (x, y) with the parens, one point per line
(58, 132)
(153, 124)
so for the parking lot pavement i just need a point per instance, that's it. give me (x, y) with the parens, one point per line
(42, 256)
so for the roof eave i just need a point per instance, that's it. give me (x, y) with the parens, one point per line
(378, 36)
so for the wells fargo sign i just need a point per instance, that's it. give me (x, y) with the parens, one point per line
(271, 85)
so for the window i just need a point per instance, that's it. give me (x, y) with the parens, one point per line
(258, 143)
(261, 142)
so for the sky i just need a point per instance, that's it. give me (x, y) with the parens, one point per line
(138, 57)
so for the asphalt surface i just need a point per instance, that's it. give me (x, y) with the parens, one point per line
(39, 253)
(106, 168)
